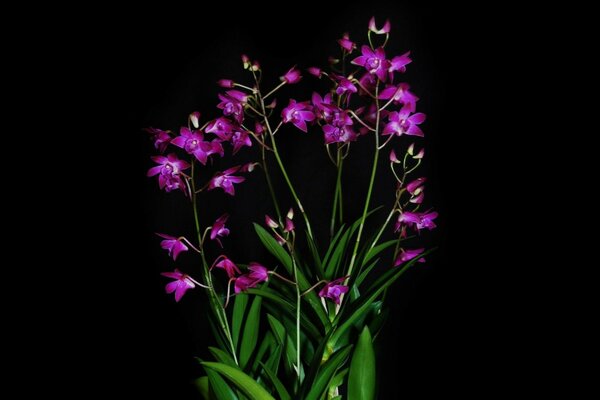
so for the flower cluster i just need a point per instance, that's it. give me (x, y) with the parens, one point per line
(368, 104)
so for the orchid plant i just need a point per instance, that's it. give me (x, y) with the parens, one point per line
(299, 326)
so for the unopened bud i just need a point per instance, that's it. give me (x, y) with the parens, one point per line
(195, 119)
(271, 223)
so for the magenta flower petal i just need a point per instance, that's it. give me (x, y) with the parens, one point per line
(161, 138)
(333, 290)
(292, 76)
(227, 265)
(172, 244)
(243, 283)
(297, 114)
(407, 255)
(225, 180)
(384, 29)
(399, 63)
(218, 229)
(258, 272)
(180, 285)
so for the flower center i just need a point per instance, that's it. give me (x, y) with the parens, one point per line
(373, 63)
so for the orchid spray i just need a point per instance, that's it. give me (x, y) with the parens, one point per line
(303, 327)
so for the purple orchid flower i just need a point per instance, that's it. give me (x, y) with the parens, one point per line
(225, 180)
(298, 114)
(221, 127)
(334, 289)
(258, 272)
(333, 134)
(416, 220)
(292, 76)
(239, 139)
(401, 122)
(401, 94)
(373, 28)
(180, 285)
(346, 43)
(243, 283)
(192, 142)
(226, 264)
(219, 230)
(168, 170)
(161, 138)
(320, 106)
(393, 157)
(169, 165)
(172, 244)
(407, 255)
(399, 63)
(344, 86)
(373, 61)
(231, 106)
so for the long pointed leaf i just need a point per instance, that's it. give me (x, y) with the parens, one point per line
(237, 318)
(219, 387)
(326, 373)
(361, 381)
(202, 384)
(250, 336)
(222, 356)
(281, 390)
(377, 249)
(243, 382)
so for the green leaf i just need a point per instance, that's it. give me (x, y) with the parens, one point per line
(219, 387)
(332, 244)
(365, 272)
(377, 249)
(237, 319)
(361, 381)
(222, 356)
(281, 391)
(326, 373)
(364, 302)
(246, 384)
(203, 387)
(277, 328)
(269, 342)
(250, 336)
(274, 248)
(332, 267)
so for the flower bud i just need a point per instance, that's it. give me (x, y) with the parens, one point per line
(195, 119)
(225, 83)
(271, 223)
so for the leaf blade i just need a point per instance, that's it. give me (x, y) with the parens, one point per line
(361, 380)
(246, 384)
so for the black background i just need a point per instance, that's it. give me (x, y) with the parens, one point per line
(163, 64)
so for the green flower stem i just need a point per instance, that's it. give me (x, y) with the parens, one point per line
(282, 168)
(337, 198)
(370, 190)
(270, 185)
(214, 301)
